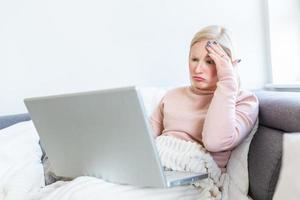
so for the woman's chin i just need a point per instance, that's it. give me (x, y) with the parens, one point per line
(203, 86)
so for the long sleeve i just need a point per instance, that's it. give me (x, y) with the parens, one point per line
(229, 118)
(156, 119)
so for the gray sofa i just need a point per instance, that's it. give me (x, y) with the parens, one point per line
(279, 113)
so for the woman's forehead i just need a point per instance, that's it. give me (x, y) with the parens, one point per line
(198, 49)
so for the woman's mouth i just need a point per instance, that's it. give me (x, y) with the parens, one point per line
(198, 78)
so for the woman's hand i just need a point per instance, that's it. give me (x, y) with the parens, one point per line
(223, 62)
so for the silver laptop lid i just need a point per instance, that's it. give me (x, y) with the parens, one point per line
(98, 133)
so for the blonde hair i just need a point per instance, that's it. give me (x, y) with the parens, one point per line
(222, 36)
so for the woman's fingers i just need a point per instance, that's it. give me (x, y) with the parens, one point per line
(214, 52)
(219, 49)
(216, 47)
(210, 49)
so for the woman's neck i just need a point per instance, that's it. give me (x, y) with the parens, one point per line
(199, 91)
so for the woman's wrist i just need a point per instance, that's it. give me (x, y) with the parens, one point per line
(228, 81)
(226, 73)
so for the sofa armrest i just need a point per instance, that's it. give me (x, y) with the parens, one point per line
(8, 120)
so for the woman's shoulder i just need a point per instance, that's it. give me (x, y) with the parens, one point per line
(176, 91)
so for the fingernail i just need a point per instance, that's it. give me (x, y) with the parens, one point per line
(215, 42)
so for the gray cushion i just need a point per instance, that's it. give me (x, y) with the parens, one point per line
(279, 110)
(264, 162)
(6, 121)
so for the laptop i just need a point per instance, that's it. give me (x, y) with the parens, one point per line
(105, 134)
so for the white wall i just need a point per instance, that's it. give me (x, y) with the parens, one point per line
(55, 46)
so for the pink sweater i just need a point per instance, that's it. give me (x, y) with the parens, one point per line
(219, 119)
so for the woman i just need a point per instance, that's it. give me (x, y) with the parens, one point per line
(213, 111)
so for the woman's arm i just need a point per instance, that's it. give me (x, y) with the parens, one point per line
(156, 119)
(230, 117)
(228, 120)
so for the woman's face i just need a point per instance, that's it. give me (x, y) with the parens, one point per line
(203, 73)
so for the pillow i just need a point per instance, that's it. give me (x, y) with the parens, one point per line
(7, 122)
(237, 167)
(20, 158)
(288, 184)
(264, 162)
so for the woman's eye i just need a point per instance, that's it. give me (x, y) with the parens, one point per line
(194, 59)
(210, 62)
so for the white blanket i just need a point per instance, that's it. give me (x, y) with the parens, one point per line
(21, 172)
(175, 154)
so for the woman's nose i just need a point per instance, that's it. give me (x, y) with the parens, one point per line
(198, 67)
